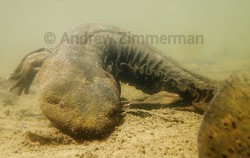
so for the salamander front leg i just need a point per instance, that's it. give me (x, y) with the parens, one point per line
(26, 71)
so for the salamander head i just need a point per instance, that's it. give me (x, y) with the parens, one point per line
(82, 107)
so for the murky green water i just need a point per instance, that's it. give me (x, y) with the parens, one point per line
(225, 48)
(223, 24)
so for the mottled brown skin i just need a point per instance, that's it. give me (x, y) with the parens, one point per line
(82, 99)
(225, 129)
(79, 88)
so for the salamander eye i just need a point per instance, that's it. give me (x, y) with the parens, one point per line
(53, 100)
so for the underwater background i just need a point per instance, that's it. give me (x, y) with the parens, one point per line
(223, 24)
(225, 30)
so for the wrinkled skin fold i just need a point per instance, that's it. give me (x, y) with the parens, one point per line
(79, 81)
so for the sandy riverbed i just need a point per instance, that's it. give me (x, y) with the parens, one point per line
(26, 132)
